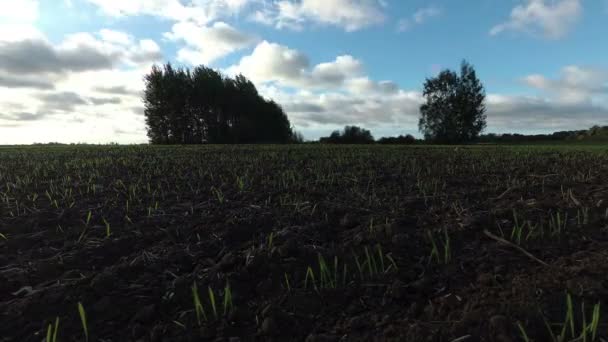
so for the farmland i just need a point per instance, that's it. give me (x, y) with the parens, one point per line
(316, 243)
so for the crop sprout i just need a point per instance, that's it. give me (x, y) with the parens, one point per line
(201, 315)
(587, 332)
(108, 230)
(51, 331)
(83, 320)
(219, 195)
(445, 254)
(374, 263)
(328, 276)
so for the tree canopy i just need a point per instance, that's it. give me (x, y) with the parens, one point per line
(197, 106)
(454, 111)
(349, 135)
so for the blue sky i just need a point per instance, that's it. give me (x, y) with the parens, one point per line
(72, 70)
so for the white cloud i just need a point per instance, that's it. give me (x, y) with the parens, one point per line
(19, 11)
(418, 18)
(207, 44)
(327, 95)
(575, 85)
(551, 19)
(272, 62)
(117, 37)
(77, 90)
(199, 11)
(527, 114)
(336, 72)
(350, 15)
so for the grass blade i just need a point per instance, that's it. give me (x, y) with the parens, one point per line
(83, 320)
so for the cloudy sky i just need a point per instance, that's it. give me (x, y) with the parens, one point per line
(71, 70)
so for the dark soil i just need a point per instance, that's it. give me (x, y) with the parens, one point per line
(255, 219)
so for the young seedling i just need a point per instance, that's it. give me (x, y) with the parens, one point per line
(198, 306)
(288, 286)
(446, 254)
(588, 330)
(310, 274)
(523, 333)
(108, 230)
(212, 301)
(51, 332)
(88, 218)
(3, 236)
(228, 306)
(218, 194)
(83, 320)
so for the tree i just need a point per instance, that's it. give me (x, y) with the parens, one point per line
(203, 106)
(454, 111)
(349, 135)
(400, 140)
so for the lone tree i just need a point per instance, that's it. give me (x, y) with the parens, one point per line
(454, 111)
(202, 106)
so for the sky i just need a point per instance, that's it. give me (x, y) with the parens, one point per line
(72, 70)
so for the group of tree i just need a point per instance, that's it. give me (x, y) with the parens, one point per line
(349, 135)
(400, 140)
(453, 112)
(595, 133)
(197, 106)
(184, 106)
(358, 135)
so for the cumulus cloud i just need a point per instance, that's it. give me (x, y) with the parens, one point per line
(206, 44)
(19, 117)
(331, 93)
(65, 101)
(20, 11)
(199, 11)
(271, 62)
(418, 18)
(38, 56)
(551, 19)
(576, 84)
(350, 15)
(77, 53)
(24, 81)
(99, 101)
(116, 90)
(529, 114)
(59, 91)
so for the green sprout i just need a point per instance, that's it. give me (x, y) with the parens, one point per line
(287, 282)
(198, 306)
(212, 301)
(444, 257)
(587, 332)
(310, 274)
(228, 306)
(88, 218)
(83, 320)
(108, 231)
(51, 332)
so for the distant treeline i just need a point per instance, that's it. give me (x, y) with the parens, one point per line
(358, 135)
(595, 133)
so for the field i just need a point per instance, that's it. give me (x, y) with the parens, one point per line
(315, 243)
